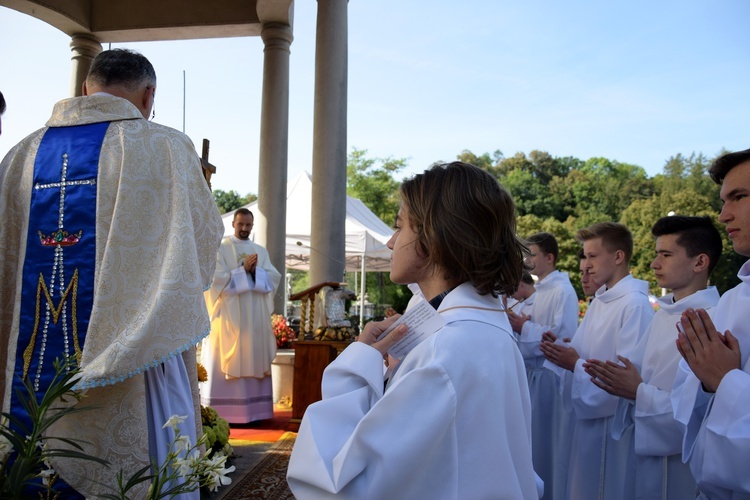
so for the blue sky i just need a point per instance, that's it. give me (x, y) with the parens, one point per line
(632, 81)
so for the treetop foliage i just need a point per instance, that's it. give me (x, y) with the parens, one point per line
(228, 201)
(371, 180)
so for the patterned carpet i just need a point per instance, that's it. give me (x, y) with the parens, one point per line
(267, 480)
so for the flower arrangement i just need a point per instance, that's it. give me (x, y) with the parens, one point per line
(216, 432)
(215, 428)
(282, 331)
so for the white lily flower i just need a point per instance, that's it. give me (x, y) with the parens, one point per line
(183, 467)
(46, 475)
(174, 421)
(181, 444)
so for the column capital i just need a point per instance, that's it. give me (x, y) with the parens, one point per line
(85, 45)
(84, 48)
(276, 35)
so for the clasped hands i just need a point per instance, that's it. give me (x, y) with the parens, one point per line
(562, 356)
(250, 262)
(709, 354)
(614, 378)
(517, 320)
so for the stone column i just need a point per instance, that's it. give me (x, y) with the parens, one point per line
(328, 238)
(85, 48)
(270, 222)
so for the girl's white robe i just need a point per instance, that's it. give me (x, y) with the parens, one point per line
(454, 421)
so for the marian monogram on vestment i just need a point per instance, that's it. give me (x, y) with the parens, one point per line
(59, 296)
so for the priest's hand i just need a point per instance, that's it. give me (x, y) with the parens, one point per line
(375, 329)
(618, 380)
(709, 354)
(250, 262)
(517, 320)
(562, 356)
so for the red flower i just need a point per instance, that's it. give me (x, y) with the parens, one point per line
(282, 331)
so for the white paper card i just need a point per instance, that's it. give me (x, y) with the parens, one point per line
(423, 320)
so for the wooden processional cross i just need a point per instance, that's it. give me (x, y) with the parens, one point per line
(208, 168)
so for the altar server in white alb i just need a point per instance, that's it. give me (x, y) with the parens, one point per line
(107, 243)
(238, 353)
(454, 419)
(687, 249)
(554, 309)
(600, 466)
(711, 396)
(523, 299)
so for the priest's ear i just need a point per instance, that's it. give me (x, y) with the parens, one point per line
(147, 100)
(84, 88)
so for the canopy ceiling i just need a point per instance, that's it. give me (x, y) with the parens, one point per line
(149, 20)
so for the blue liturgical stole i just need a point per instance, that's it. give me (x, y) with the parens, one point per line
(58, 271)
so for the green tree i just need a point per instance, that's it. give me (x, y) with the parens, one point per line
(575, 196)
(486, 161)
(616, 185)
(228, 201)
(530, 195)
(691, 172)
(535, 183)
(371, 180)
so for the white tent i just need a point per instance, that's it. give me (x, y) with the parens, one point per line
(366, 234)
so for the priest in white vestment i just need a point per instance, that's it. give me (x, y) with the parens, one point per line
(238, 353)
(687, 249)
(711, 395)
(111, 215)
(600, 466)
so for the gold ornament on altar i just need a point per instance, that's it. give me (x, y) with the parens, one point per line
(331, 297)
(334, 333)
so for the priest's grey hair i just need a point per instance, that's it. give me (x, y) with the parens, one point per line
(122, 67)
